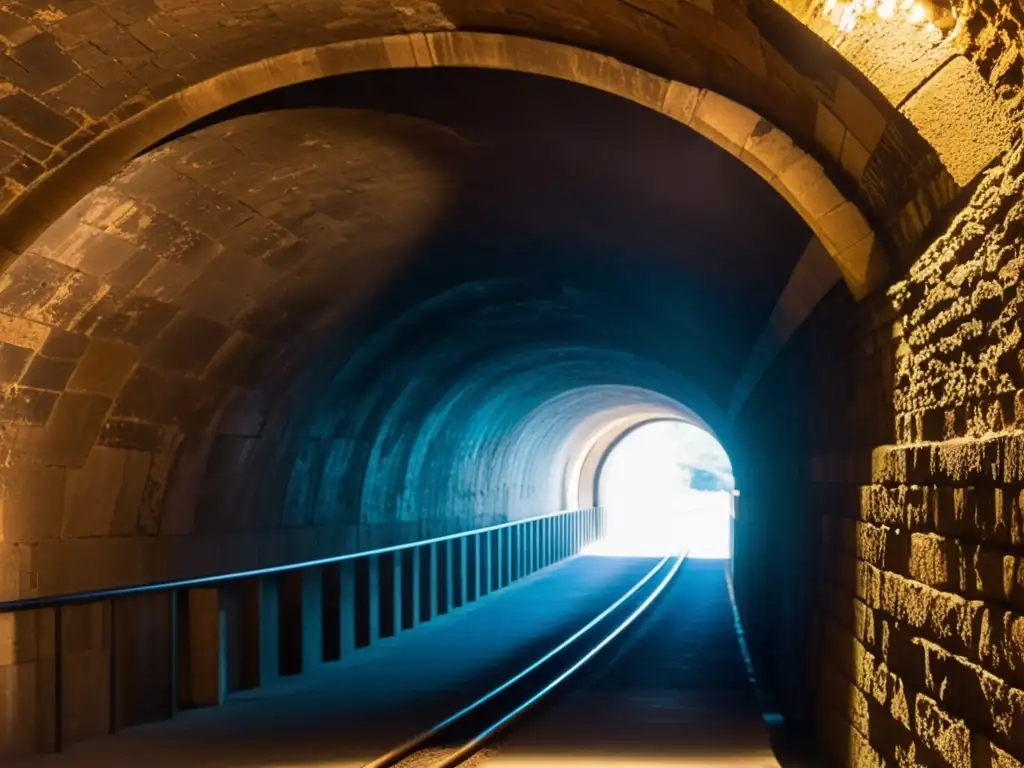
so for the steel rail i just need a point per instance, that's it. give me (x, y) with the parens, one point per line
(471, 747)
(399, 753)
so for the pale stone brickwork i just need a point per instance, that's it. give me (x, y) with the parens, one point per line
(921, 614)
(106, 75)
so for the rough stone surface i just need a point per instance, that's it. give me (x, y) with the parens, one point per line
(78, 75)
(229, 339)
(954, 95)
(915, 498)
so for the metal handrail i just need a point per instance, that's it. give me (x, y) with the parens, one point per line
(57, 603)
(77, 598)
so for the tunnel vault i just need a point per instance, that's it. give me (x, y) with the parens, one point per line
(214, 356)
(797, 176)
(90, 86)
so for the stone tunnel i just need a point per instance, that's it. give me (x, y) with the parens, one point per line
(287, 279)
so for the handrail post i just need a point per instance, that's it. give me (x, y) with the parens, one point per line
(112, 670)
(58, 682)
(536, 536)
(449, 575)
(172, 653)
(462, 574)
(415, 591)
(397, 588)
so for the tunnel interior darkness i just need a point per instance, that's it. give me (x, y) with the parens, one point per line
(380, 307)
(666, 485)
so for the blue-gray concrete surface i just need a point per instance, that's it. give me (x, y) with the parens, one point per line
(676, 693)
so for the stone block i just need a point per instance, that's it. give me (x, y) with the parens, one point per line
(43, 63)
(843, 227)
(871, 544)
(741, 41)
(31, 282)
(35, 118)
(138, 320)
(806, 185)
(84, 94)
(951, 515)
(948, 736)
(960, 116)
(858, 113)
(966, 462)
(769, 151)
(23, 405)
(13, 360)
(993, 575)
(1013, 459)
(101, 255)
(996, 757)
(33, 501)
(103, 497)
(70, 301)
(883, 505)
(936, 561)
(187, 345)
(104, 368)
(47, 373)
(1000, 643)
(70, 432)
(14, 30)
(725, 122)
(133, 435)
(680, 101)
(829, 131)
(151, 396)
(166, 280)
(19, 704)
(18, 638)
(869, 583)
(854, 157)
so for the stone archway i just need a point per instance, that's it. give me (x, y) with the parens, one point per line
(797, 176)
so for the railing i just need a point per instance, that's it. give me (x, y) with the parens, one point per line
(420, 579)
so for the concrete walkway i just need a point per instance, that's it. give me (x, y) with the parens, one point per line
(677, 693)
(344, 714)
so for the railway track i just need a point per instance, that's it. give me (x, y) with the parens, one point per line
(463, 738)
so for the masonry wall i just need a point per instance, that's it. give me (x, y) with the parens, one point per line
(915, 462)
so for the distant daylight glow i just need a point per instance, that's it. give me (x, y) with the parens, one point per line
(665, 485)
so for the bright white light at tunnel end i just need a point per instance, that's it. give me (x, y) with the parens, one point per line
(652, 508)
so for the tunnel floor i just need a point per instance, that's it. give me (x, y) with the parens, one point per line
(676, 689)
(676, 693)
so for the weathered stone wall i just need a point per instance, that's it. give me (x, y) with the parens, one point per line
(111, 73)
(916, 465)
(916, 456)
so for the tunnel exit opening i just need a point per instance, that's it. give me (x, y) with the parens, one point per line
(666, 485)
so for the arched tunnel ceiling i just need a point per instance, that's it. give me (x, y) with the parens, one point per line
(222, 345)
(254, 227)
(339, 302)
(80, 74)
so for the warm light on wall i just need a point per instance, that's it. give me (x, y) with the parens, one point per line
(845, 13)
